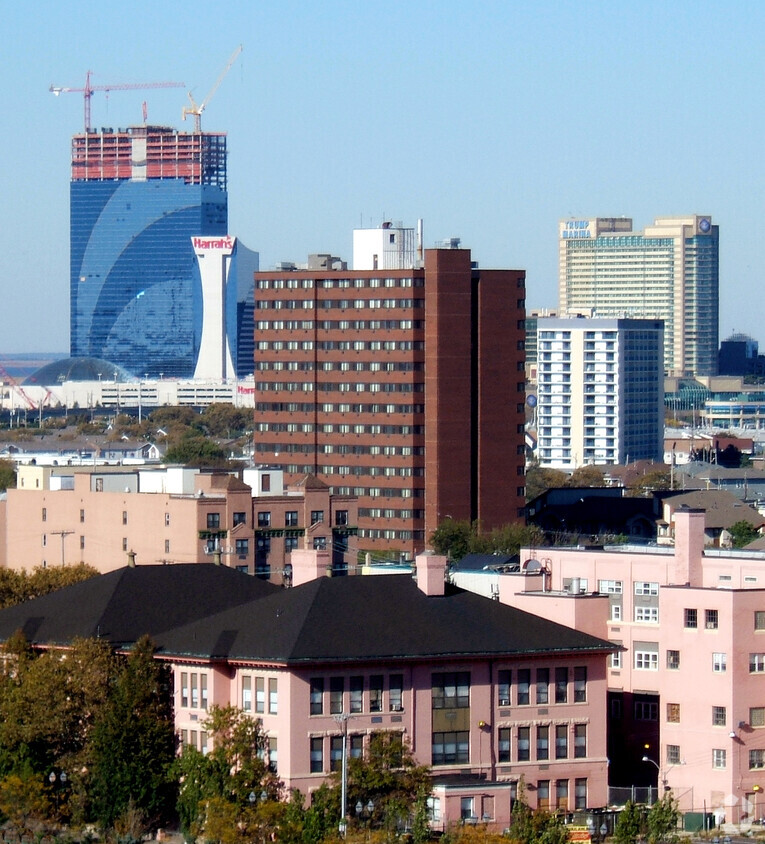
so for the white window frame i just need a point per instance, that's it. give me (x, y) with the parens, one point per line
(719, 758)
(645, 587)
(719, 663)
(646, 660)
(647, 615)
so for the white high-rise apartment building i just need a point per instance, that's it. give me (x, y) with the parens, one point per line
(600, 397)
(669, 271)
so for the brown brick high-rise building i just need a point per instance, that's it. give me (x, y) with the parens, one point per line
(404, 387)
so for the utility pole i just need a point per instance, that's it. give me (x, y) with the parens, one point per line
(63, 534)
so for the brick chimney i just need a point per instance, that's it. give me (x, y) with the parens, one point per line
(431, 573)
(308, 565)
(689, 546)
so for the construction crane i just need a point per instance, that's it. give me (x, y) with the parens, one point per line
(88, 90)
(14, 385)
(197, 110)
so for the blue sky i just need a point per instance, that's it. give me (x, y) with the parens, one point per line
(490, 120)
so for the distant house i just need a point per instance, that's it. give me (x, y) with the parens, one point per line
(721, 509)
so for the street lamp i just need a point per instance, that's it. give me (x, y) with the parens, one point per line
(342, 719)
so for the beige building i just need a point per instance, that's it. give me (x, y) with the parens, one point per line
(668, 271)
(109, 516)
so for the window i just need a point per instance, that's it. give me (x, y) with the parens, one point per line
(719, 663)
(184, 689)
(242, 547)
(504, 679)
(317, 695)
(561, 685)
(260, 695)
(673, 754)
(317, 755)
(167, 520)
(45, 514)
(503, 745)
(756, 759)
(580, 741)
(213, 521)
(673, 660)
(719, 760)
(561, 795)
(240, 519)
(647, 614)
(757, 716)
(246, 694)
(317, 516)
(194, 691)
(756, 663)
(647, 660)
(673, 713)
(759, 619)
(336, 689)
(561, 741)
(264, 519)
(82, 543)
(543, 795)
(335, 753)
(643, 587)
(543, 684)
(451, 748)
(291, 518)
(616, 659)
(711, 619)
(203, 691)
(376, 693)
(580, 684)
(543, 742)
(320, 543)
(82, 517)
(341, 517)
(524, 744)
(356, 746)
(610, 587)
(467, 812)
(616, 612)
(524, 682)
(645, 710)
(691, 618)
(357, 694)
(719, 716)
(396, 692)
(451, 691)
(167, 545)
(580, 793)
(290, 544)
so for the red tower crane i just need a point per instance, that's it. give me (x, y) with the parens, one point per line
(88, 90)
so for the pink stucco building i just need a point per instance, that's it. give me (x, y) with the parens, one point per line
(484, 693)
(687, 693)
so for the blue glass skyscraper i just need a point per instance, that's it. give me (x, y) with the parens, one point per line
(138, 196)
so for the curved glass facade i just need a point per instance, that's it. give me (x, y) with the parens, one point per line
(136, 296)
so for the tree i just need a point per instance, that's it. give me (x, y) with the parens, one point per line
(662, 820)
(388, 778)
(133, 741)
(456, 539)
(7, 475)
(216, 787)
(539, 480)
(742, 533)
(196, 450)
(630, 824)
(646, 484)
(587, 476)
(18, 586)
(225, 420)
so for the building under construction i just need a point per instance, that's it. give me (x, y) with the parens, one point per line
(138, 197)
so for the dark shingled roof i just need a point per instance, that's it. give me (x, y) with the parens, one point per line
(371, 618)
(123, 605)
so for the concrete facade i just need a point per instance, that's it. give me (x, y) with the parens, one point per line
(107, 516)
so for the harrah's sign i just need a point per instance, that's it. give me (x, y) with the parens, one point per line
(225, 242)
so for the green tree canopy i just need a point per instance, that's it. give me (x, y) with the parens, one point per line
(539, 480)
(455, 539)
(7, 474)
(17, 586)
(743, 533)
(663, 819)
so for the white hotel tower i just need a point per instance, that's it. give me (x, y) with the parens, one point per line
(600, 391)
(668, 271)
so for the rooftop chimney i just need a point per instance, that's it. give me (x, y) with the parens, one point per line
(431, 573)
(308, 565)
(689, 546)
